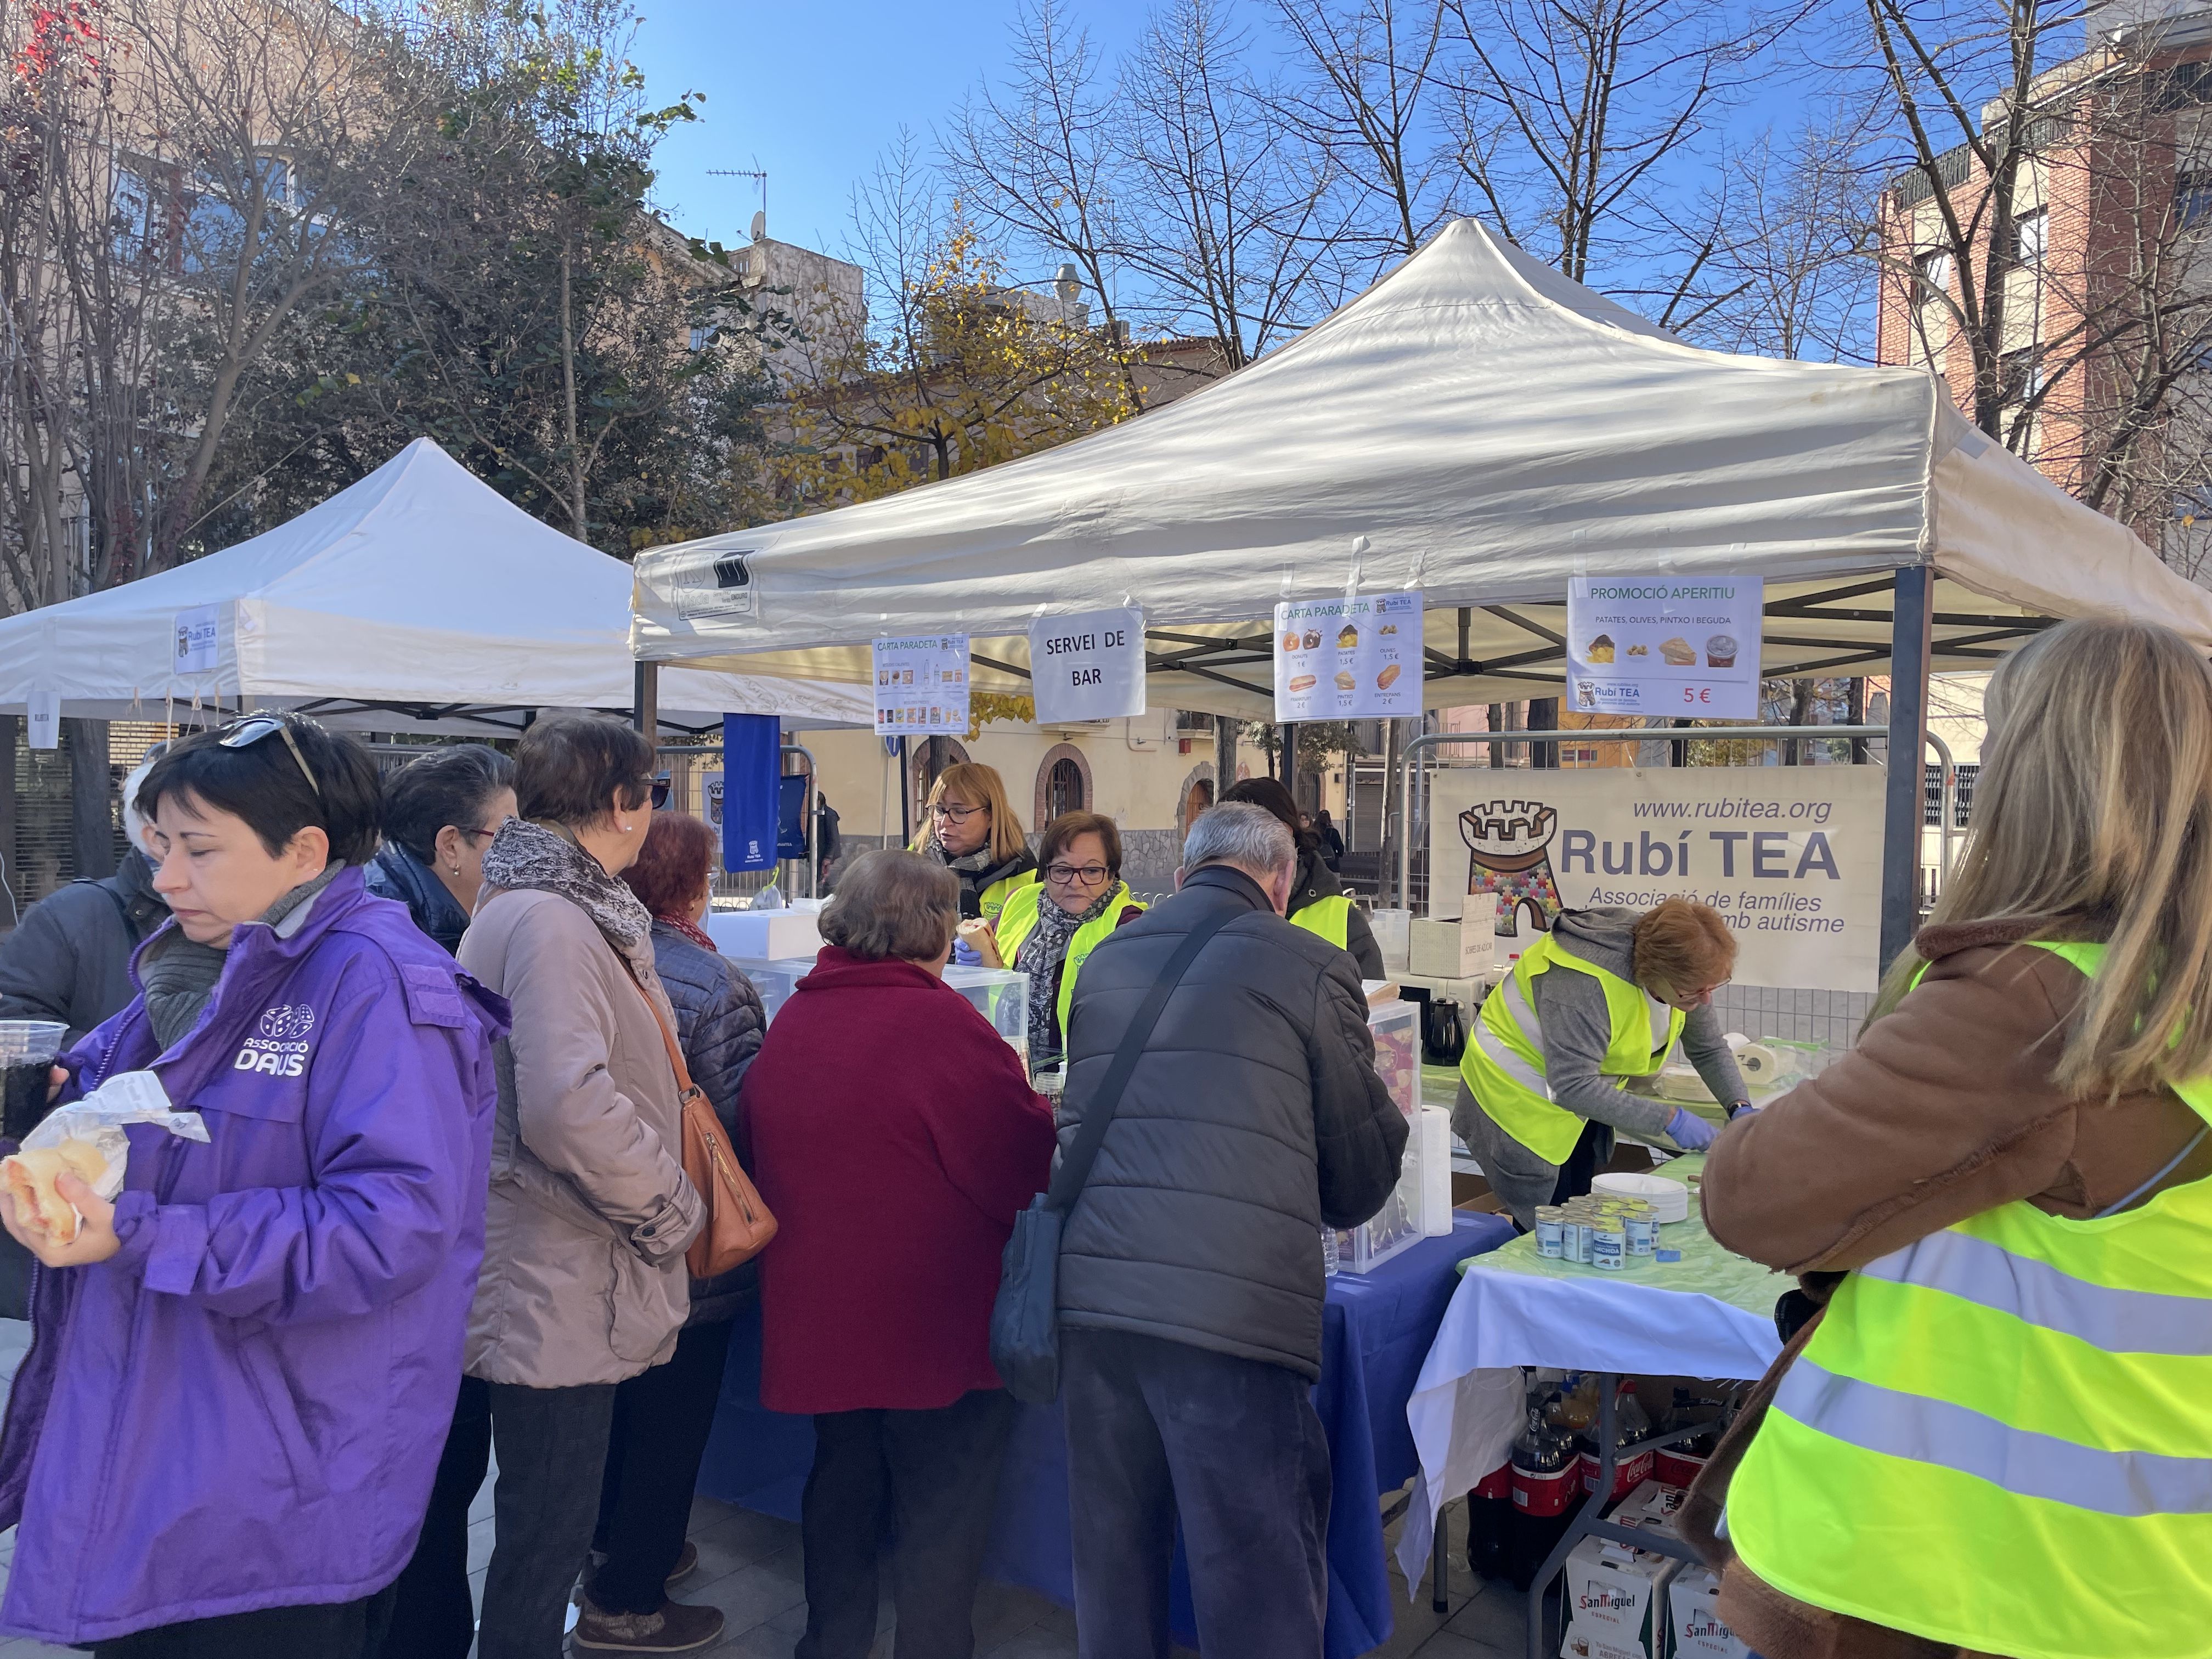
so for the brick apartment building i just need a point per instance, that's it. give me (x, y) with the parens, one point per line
(2082, 329)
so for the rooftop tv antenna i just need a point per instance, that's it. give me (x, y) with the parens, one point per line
(757, 173)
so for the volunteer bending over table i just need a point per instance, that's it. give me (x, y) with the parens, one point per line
(1600, 999)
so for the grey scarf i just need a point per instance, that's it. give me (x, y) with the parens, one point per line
(974, 863)
(181, 975)
(1044, 950)
(546, 860)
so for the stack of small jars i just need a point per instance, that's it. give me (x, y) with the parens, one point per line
(1605, 1233)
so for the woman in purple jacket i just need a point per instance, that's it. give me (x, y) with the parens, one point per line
(240, 1373)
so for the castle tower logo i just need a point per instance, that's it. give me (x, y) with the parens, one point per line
(1509, 847)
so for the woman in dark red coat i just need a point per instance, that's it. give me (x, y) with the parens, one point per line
(895, 1137)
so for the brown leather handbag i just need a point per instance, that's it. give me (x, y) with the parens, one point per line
(739, 1225)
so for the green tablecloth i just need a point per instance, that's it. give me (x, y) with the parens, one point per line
(1705, 1268)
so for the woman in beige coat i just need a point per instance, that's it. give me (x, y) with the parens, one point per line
(583, 1284)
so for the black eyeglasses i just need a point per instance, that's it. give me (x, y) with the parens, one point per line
(951, 814)
(1076, 875)
(244, 734)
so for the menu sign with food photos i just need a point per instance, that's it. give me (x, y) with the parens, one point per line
(922, 686)
(1346, 660)
(1686, 646)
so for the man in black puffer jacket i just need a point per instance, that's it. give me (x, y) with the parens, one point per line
(1190, 1269)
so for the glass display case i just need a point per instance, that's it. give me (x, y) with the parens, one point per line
(1000, 995)
(1397, 1225)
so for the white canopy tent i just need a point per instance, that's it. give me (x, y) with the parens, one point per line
(1476, 426)
(419, 599)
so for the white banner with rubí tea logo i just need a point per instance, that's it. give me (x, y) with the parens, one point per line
(1790, 855)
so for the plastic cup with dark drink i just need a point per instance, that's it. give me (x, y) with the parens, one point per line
(27, 1047)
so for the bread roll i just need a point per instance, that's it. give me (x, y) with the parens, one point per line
(31, 1176)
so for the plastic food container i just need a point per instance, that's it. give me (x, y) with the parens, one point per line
(1669, 1200)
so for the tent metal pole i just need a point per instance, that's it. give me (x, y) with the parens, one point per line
(1903, 809)
(906, 799)
(645, 702)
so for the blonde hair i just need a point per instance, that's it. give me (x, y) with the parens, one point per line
(2092, 819)
(971, 785)
(1681, 945)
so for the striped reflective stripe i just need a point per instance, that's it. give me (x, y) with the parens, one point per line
(1499, 1053)
(1919, 1430)
(2117, 1321)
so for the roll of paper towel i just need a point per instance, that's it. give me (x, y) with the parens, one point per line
(1760, 1066)
(1434, 1127)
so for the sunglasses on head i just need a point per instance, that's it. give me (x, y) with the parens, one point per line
(659, 794)
(245, 733)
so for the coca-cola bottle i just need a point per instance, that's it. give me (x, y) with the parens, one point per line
(1679, 1464)
(1630, 1425)
(1490, 1505)
(1546, 1493)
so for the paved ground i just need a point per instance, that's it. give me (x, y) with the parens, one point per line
(749, 1566)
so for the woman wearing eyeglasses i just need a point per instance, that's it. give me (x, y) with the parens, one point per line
(224, 1435)
(970, 829)
(1049, 929)
(440, 813)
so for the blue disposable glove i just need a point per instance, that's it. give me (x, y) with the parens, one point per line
(1689, 1131)
(965, 955)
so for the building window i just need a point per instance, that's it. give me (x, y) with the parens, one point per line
(1579, 754)
(2031, 236)
(1935, 273)
(1063, 789)
(701, 335)
(2192, 199)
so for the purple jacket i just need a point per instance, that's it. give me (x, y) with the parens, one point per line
(243, 1408)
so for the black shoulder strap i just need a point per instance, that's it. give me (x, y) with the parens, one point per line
(1075, 1168)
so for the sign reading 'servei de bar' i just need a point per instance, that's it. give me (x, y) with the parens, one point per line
(1088, 667)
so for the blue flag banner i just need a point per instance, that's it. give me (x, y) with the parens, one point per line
(791, 818)
(751, 790)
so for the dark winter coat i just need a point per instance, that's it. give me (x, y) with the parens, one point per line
(1315, 880)
(719, 1025)
(397, 873)
(70, 959)
(1254, 1118)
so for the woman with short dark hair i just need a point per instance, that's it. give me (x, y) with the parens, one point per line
(1049, 929)
(895, 1137)
(583, 1284)
(441, 811)
(223, 1440)
(663, 1414)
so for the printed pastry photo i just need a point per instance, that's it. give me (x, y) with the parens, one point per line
(31, 1176)
(1303, 683)
(1388, 678)
(1347, 637)
(1639, 650)
(1313, 639)
(1389, 628)
(1599, 649)
(1678, 653)
(1346, 679)
(1720, 651)
(1291, 641)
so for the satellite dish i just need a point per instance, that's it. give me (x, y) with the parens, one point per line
(760, 225)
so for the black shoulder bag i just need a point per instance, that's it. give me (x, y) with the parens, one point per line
(1025, 1318)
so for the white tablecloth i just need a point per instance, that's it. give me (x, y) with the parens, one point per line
(1468, 1404)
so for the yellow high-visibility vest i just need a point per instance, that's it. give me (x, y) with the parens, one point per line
(1504, 1066)
(1019, 919)
(992, 900)
(1330, 917)
(2000, 1437)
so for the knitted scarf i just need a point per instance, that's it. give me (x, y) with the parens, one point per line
(1044, 950)
(547, 860)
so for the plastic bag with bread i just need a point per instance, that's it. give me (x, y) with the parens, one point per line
(85, 1138)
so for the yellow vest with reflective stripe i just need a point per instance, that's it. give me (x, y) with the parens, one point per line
(1330, 917)
(992, 899)
(1504, 1066)
(2000, 1437)
(1018, 920)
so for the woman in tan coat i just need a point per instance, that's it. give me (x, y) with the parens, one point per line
(583, 1284)
(1995, 1204)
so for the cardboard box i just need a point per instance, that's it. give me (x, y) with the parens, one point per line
(1693, 1618)
(765, 935)
(1455, 949)
(1653, 1506)
(1613, 1595)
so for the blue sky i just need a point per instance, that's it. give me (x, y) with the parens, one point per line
(815, 91)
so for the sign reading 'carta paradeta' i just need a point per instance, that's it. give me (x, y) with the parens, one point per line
(1657, 645)
(1790, 856)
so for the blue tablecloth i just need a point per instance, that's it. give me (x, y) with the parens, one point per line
(1375, 1331)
